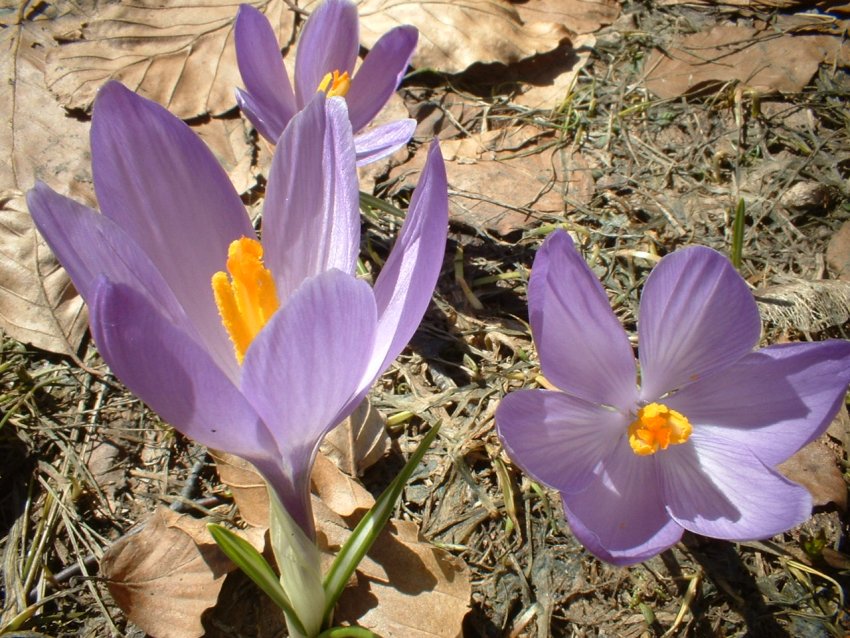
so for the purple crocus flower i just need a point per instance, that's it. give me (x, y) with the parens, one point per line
(694, 445)
(172, 221)
(325, 61)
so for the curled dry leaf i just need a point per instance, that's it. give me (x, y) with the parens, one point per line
(805, 306)
(760, 59)
(359, 441)
(815, 467)
(408, 588)
(579, 16)
(229, 140)
(247, 486)
(38, 304)
(493, 185)
(180, 54)
(456, 35)
(166, 574)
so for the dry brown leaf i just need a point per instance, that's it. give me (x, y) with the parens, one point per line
(456, 35)
(358, 442)
(166, 574)
(229, 140)
(496, 187)
(407, 588)
(824, 5)
(550, 77)
(758, 59)
(340, 493)
(246, 484)
(38, 305)
(815, 468)
(180, 54)
(579, 16)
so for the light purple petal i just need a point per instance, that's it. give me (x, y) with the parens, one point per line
(406, 283)
(329, 42)
(268, 93)
(621, 517)
(773, 401)
(697, 316)
(173, 374)
(380, 74)
(311, 217)
(303, 368)
(583, 349)
(373, 144)
(90, 245)
(556, 438)
(256, 114)
(718, 488)
(164, 188)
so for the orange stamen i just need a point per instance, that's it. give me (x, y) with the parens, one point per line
(657, 427)
(335, 84)
(248, 298)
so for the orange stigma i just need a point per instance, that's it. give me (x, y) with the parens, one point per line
(335, 84)
(657, 427)
(248, 298)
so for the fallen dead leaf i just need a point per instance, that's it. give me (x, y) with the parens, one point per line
(549, 77)
(823, 5)
(229, 140)
(166, 574)
(760, 59)
(38, 304)
(359, 441)
(815, 468)
(579, 16)
(408, 587)
(338, 491)
(180, 54)
(494, 185)
(247, 486)
(456, 35)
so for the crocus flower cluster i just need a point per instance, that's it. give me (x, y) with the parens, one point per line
(689, 438)
(254, 348)
(325, 59)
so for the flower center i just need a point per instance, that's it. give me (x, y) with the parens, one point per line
(248, 298)
(335, 84)
(656, 427)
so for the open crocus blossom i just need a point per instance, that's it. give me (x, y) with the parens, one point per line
(324, 62)
(255, 349)
(693, 446)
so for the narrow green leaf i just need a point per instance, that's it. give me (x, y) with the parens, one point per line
(250, 561)
(370, 201)
(738, 234)
(369, 527)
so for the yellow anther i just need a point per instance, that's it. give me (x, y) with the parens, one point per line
(657, 427)
(248, 298)
(335, 84)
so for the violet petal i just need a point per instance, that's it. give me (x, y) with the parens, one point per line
(773, 401)
(303, 368)
(620, 516)
(90, 245)
(556, 438)
(406, 283)
(697, 316)
(311, 216)
(173, 374)
(165, 189)
(380, 74)
(373, 144)
(718, 488)
(329, 42)
(263, 72)
(583, 349)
